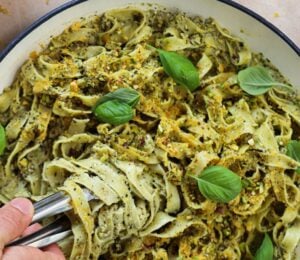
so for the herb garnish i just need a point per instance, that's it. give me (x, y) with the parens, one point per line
(265, 251)
(257, 80)
(180, 68)
(116, 108)
(2, 139)
(293, 151)
(219, 184)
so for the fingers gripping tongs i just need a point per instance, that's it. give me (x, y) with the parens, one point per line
(59, 229)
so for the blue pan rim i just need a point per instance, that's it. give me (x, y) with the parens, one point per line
(67, 5)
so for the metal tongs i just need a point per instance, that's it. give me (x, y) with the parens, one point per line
(59, 229)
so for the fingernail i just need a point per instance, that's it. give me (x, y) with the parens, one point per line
(23, 205)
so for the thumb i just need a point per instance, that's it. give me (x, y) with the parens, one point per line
(14, 219)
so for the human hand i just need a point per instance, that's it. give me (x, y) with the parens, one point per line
(15, 218)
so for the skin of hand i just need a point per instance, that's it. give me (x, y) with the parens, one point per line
(15, 218)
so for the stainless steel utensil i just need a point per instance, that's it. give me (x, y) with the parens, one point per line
(59, 229)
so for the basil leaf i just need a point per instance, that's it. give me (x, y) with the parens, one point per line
(181, 69)
(126, 95)
(114, 112)
(2, 139)
(293, 151)
(265, 251)
(219, 184)
(257, 80)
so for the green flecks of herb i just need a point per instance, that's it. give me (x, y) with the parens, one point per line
(257, 80)
(2, 139)
(126, 95)
(180, 68)
(293, 151)
(114, 112)
(218, 184)
(266, 250)
(245, 183)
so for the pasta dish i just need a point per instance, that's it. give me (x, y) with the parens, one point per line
(188, 139)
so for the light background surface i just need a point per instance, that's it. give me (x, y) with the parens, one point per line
(15, 15)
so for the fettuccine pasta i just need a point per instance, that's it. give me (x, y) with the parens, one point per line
(147, 206)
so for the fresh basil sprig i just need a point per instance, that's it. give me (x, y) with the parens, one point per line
(114, 112)
(181, 69)
(116, 107)
(293, 151)
(257, 80)
(2, 139)
(266, 250)
(127, 95)
(219, 184)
